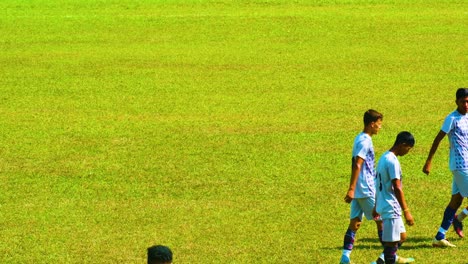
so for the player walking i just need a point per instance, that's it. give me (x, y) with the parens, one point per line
(456, 127)
(361, 192)
(390, 201)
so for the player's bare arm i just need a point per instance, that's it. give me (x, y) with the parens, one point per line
(375, 215)
(356, 169)
(397, 188)
(435, 145)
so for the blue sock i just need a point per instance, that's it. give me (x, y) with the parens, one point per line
(348, 242)
(390, 254)
(449, 214)
(380, 232)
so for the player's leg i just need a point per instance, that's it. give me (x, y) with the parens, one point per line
(462, 183)
(458, 222)
(379, 224)
(462, 215)
(391, 236)
(390, 250)
(354, 224)
(398, 226)
(459, 190)
(400, 259)
(394, 234)
(449, 214)
(348, 241)
(368, 205)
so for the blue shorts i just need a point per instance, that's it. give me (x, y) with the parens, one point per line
(362, 206)
(460, 182)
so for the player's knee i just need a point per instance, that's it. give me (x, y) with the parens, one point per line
(355, 226)
(456, 201)
(379, 224)
(402, 238)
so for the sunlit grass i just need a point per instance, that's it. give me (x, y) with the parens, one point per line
(220, 129)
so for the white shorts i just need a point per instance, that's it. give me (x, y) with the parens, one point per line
(460, 182)
(392, 228)
(362, 206)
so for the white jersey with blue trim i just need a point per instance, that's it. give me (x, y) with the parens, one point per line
(363, 147)
(388, 169)
(456, 127)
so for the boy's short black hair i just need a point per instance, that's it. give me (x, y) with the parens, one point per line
(371, 116)
(405, 137)
(159, 254)
(462, 93)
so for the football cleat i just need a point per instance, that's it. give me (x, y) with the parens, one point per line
(442, 243)
(345, 260)
(458, 227)
(402, 260)
(378, 261)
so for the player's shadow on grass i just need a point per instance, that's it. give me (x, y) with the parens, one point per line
(374, 243)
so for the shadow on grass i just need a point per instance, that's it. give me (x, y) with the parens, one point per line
(417, 242)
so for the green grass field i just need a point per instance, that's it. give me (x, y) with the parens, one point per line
(222, 129)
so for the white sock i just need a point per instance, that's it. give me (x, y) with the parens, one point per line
(462, 215)
(346, 253)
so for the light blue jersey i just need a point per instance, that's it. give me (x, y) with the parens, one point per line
(388, 169)
(456, 127)
(363, 147)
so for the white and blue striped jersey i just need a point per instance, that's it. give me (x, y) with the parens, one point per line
(456, 127)
(363, 147)
(388, 169)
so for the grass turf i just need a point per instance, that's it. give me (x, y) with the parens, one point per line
(222, 129)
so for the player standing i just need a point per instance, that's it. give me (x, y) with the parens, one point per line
(390, 201)
(456, 127)
(361, 192)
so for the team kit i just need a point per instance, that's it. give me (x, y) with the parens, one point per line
(376, 190)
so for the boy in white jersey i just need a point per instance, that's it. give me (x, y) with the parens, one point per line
(361, 192)
(456, 127)
(390, 199)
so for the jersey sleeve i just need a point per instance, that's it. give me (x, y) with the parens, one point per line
(362, 149)
(448, 124)
(394, 169)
